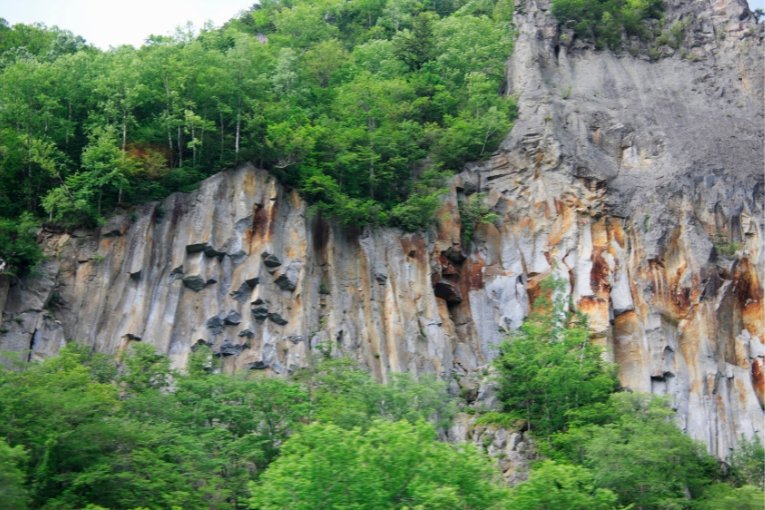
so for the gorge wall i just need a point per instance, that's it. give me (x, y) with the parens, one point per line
(638, 182)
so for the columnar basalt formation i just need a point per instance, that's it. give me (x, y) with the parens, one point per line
(639, 183)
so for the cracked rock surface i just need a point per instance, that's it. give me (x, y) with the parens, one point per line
(639, 183)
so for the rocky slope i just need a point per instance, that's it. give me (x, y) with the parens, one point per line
(638, 182)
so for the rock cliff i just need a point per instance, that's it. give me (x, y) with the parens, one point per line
(637, 180)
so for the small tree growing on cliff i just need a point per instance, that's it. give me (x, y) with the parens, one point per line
(549, 369)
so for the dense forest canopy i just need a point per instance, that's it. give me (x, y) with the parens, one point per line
(362, 106)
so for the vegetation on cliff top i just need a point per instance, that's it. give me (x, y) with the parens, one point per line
(606, 22)
(362, 106)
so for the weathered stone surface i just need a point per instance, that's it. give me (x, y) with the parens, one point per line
(215, 325)
(277, 319)
(232, 318)
(260, 313)
(511, 450)
(243, 293)
(196, 247)
(194, 282)
(209, 251)
(637, 183)
(290, 276)
(177, 272)
(447, 291)
(270, 260)
(229, 349)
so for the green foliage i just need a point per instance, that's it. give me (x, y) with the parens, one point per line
(607, 448)
(144, 369)
(103, 178)
(353, 103)
(474, 212)
(605, 21)
(645, 459)
(19, 251)
(417, 212)
(549, 370)
(46, 409)
(722, 496)
(13, 494)
(388, 465)
(562, 487)
(747, 463)
(80, 430)
(724, 247)
(347, 396)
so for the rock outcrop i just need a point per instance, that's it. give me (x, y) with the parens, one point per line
(637, 182)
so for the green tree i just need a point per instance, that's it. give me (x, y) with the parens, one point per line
(348, 396)
(474, 212)
(562, 487)
(747, 463)
(13, 493)
(390, 465)
(645, 459)
(45, 407)
(416, 46)
(722, 496)
(549, 369)
(604, 21)
(19, 251)
(144, 369)
(102, 180)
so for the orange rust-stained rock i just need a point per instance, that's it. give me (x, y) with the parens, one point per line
(562, 224)
(260, 220)
(597, 312)
(628, 353)
(599, 276)
(758, 380)
(749, 296)
(616, 230)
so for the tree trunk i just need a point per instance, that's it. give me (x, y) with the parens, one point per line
(180, 148)
(124, 132)
(220, 159)
(238, 132)
(193, 147)
(68, 123)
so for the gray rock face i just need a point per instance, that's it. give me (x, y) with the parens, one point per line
(637, 183)
(194, 282)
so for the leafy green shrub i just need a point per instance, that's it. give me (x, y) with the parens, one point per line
(722, 496)
(474, 212)
(345, 394)
(629, 456)
(724, 247)
(19, 250)
(14, 494)
(417, 212)
(549, 369)
(393, 465)
(747, 463)
(561, 486)
(604, 21)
